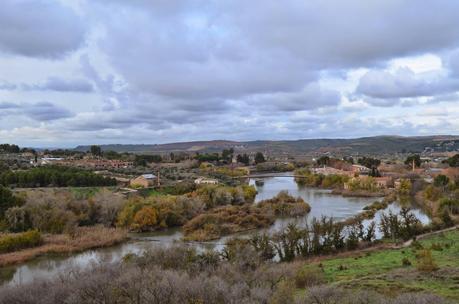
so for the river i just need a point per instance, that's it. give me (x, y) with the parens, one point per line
(322, 202)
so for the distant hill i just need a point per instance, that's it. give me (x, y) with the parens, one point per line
(365, 145)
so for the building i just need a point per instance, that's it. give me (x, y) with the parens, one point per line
(205, 181)
(384, 182)
(331, 171)
(145, 181)
(360, 169)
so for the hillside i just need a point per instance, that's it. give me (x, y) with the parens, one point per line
(364, 145)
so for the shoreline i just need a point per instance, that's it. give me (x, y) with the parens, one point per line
(86, 238)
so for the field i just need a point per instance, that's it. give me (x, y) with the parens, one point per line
(384, 272)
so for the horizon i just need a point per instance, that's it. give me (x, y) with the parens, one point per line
(201, 70)
(235, 141)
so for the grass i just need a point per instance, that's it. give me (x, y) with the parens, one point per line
(384, 272)
(82, 239)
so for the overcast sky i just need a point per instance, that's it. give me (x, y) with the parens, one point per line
(154, 71)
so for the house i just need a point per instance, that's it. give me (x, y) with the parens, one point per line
(360, 169)
(331, 171)
(205, 181)
(145, 181)
(384, 182)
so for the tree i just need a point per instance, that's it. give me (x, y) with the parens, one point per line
(259, 158)
(244, 159)
(145, 219)
(369, 162)
(441, 180)
(96, 150)
(416, 158)
(323, 161)
(227, 154)
(453, 161)
(7, 200)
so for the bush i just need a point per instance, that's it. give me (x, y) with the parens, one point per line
(14, 242)
(307, 277)
(425, 261)
(406, 262)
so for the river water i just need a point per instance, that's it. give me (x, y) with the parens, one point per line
(322, 202)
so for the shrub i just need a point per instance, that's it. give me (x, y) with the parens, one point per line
(406, 262)
(13, 242)
(436, 247)
(145, 219)
(306, 277)
(425, 261)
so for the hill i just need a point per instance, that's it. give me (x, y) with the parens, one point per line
(365, 145)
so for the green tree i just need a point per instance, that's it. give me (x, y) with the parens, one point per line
(96, 150)
(323, 161)
(416, 158)
(441, 180)
(369, 162)
(259, 158)
(453, 161)
(244, 159)
(7, 200)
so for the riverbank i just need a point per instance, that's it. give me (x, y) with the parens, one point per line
(392, 269)
(82, 239)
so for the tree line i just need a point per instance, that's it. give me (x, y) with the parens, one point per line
(56, 176)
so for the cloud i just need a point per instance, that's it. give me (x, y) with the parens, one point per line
(39, 28)
(403, 83)
(61, 85)
(156, 71)
(40, 111)
(311, 97)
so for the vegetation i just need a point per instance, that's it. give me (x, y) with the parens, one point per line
(226, 220)
(239, 275)
(231, 219)
(259, 158)
(384, 270)
(369, 162)
(8, 148)
(56, 211)
(8, 200)
(453, 161)
(416, 159)
(275, 167)
(305, 177)
(81, 238)
(17, 241)
(244, 159)
(143, 160)
(363, 184)
(284, 204)
(57, 176)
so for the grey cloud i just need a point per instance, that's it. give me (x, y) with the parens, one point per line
(335, 33)
(40, 111)
(46, 111)
(8, 105)
(403, 83)
(61, 85)
(39, 28)
(310, 98)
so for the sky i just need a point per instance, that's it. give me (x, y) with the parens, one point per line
(155, 71)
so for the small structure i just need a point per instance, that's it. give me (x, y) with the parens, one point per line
(360, 169)
(384, 182)
(144, 180)
(205, 181)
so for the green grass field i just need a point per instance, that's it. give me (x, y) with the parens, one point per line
(384, 272)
